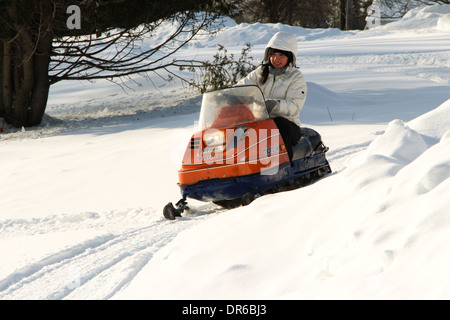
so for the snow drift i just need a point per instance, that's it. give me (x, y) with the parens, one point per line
(435, 17)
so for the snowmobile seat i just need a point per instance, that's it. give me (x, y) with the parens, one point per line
(308, 142)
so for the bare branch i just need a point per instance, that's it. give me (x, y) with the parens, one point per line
(119, 53)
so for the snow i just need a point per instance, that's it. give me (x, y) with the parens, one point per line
(82, 194)
(434, 17)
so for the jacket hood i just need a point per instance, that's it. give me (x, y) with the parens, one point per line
(282, 41)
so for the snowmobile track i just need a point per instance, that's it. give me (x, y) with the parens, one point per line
(94, 269)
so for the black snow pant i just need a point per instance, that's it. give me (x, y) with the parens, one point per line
(290, 132)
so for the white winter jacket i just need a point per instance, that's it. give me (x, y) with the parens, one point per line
(289, 87)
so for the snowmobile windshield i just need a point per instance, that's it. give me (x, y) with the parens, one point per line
(232, 106)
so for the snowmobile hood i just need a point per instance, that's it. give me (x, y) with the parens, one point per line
(282, 41)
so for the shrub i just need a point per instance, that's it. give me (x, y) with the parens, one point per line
(223, 71)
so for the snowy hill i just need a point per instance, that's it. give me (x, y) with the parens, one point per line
(82, 194)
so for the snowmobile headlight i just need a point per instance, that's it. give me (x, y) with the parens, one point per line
(214, 137)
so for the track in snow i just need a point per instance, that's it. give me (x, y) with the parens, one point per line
(96, 268)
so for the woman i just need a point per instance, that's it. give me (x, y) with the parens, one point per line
(283, 86)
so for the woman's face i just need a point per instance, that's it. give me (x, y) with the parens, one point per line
(278, 60)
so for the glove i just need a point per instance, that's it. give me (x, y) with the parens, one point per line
(271, 104)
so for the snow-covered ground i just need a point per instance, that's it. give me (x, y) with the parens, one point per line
(81, 195)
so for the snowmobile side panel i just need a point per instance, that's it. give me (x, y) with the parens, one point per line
(236, 187)
(242, 150)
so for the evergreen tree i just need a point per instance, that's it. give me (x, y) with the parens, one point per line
(46, 41)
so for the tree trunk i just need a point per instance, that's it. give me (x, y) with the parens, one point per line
(346, 7)
(7, 90)
(25, 82)
(342, 7)
(2, 103)
(22, 79)
(349, 15)
(40, 91)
